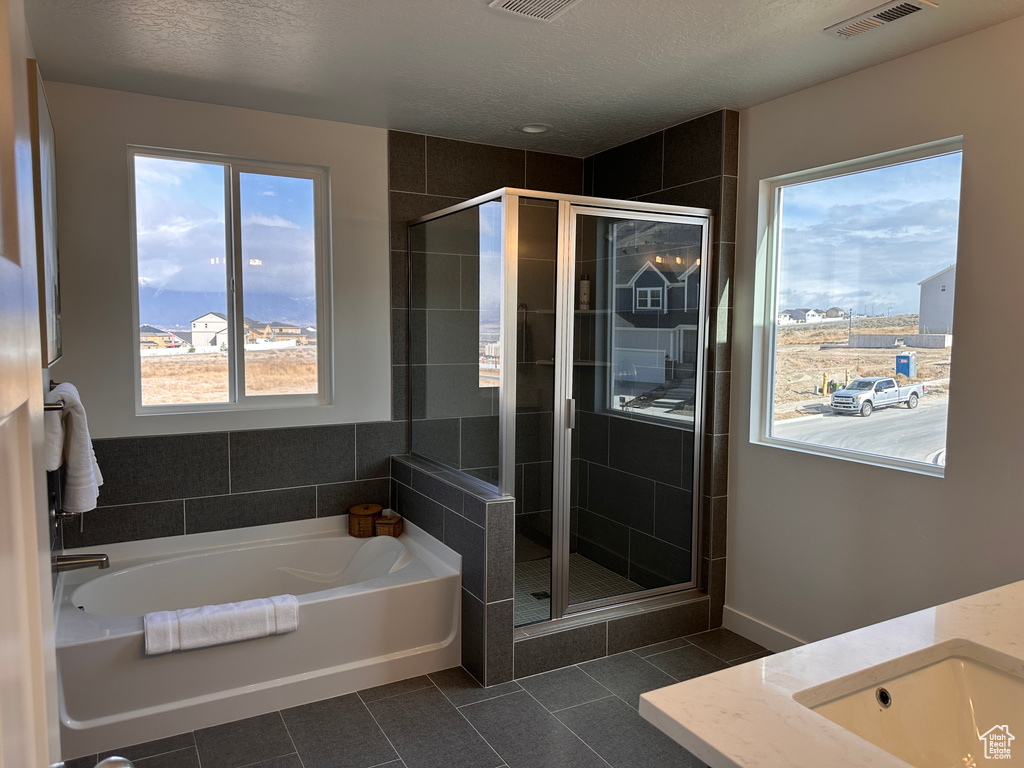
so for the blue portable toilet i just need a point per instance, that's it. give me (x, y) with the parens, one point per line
(907, 364)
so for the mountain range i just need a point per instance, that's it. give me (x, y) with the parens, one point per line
(175, 310)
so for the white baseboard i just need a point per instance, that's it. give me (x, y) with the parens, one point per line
(770, 637)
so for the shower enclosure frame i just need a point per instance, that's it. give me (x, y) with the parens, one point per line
(569, 207)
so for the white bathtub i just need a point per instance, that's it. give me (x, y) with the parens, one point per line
(367, 616)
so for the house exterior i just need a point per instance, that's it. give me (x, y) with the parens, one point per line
(833, 313)
(151, 337)
(807, 315)
(936, 309)
(785, 317)
(656, 302)
(210, 330)
(285, 331)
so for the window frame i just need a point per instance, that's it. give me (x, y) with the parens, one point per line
(234, 285)
(648, 293)
(762, 406)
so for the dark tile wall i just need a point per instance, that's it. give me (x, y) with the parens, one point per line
(479, 525)
(171, 485)
(453, 421)
(694, 164)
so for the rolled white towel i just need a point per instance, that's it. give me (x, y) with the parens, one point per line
(53, 437)
(208, 625)
(82, 478)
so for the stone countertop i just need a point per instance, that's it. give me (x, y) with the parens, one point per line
(746, 716)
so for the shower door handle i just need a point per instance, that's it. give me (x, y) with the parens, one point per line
(570, 406)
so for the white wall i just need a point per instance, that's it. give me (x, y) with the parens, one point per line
(93, 128)
(937, 304)
(817, 546)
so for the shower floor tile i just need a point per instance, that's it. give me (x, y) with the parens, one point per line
(587, 581)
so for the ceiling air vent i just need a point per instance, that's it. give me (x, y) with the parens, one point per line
(545, 10)
(876, 17)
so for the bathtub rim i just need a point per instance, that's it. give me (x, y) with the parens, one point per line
(72, 626)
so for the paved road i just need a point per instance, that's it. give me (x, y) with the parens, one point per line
(919, 435)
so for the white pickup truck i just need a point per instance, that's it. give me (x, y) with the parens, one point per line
(865, 395)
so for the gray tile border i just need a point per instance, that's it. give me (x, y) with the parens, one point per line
(282, 458)
(469, 540)
(572, 646)
(500, 551)
(162, 467)
(498, 651)
(407, 162)
(466, 169)
(474, 628)
(241, 510)
(375, 443)
(657, 625)
(337, 498)
(131, 522)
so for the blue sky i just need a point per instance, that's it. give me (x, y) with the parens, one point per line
(865, 240)
(180, 217)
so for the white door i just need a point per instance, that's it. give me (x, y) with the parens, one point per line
(27, 687)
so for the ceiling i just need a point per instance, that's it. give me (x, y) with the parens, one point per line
(602, 73)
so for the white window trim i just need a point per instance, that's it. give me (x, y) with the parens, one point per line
(762, 390)
(648, 294)
(233, 282)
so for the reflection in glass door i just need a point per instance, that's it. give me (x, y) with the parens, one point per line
(634, 353)
(610, 337)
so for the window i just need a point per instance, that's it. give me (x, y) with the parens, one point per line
(230, 261)
(648, 298)
(854, 252)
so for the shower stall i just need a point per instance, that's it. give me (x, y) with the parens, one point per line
(557, 349)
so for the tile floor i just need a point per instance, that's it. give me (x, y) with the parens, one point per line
(583, 716)
(587, 581)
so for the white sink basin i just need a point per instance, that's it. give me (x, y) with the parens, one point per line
(953, 704)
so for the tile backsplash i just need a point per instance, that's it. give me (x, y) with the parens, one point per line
(169, 485)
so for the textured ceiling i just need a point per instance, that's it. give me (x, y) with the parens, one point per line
(604, 72)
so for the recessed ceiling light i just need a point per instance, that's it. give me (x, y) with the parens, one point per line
(533, 128)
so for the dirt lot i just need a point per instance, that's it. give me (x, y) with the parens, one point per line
(801, 361)
(193, 378)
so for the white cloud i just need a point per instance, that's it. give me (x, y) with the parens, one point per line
(259, 220)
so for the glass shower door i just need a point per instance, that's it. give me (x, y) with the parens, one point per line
(637, 310)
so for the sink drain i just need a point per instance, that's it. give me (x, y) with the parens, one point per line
(884, 698)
